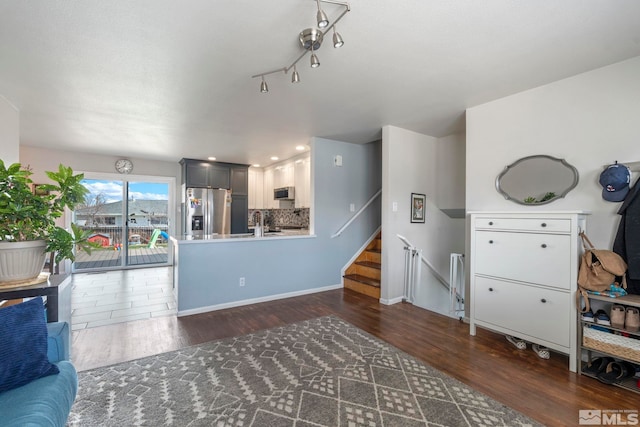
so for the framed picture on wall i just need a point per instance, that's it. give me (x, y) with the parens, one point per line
(417, 207)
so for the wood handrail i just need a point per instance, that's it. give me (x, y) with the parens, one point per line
(357, 214)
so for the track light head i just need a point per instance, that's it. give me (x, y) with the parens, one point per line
(337, 38)
(263, 86)
(295, 77)
(321, 17)
(315, 63)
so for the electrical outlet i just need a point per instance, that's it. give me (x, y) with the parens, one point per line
(242, 281)
(352, 207)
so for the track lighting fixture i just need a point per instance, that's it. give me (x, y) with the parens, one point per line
(310, 41)
(314, 59)
(263, 86)
(295, 77)
(337, 38)
(321, 17)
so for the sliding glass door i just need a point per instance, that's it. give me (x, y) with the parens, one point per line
(128, 220)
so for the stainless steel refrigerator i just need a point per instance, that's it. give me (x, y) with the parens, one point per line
(207, 211)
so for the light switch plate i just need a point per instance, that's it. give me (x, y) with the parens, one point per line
(394, 206)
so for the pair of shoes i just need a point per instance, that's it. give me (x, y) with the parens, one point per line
(628, 319)
(602, 318)
(587, 316)
(617, 316)
(520, 345)
(542, 352)
(616, 372)
(632, 320)
(597, 365)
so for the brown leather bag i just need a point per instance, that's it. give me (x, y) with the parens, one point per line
(599, 269)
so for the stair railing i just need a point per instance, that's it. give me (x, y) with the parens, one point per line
(357, 214)
(412, 277)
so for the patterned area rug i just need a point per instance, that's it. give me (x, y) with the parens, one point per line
(321, 372)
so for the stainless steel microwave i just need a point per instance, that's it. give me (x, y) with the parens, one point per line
(284, 193)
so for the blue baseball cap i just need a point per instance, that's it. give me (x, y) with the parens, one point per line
(615, 181)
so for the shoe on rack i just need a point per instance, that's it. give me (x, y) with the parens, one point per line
(602, 318)
(617, 372)
(632, 320)
(587, 316)
(618, 314)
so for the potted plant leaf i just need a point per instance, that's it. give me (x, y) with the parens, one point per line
(28, 229)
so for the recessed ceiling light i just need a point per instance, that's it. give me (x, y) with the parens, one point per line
(211, 158)
(274, 157)
(300, 148)
(256, 165)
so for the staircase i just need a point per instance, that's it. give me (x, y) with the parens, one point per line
(363, 275)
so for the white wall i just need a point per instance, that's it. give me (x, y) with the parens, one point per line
(41, 159)
(416, 163)
(590, 120)
(9, 132)
(450, 172)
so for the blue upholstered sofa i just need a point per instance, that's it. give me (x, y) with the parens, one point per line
(46, 401)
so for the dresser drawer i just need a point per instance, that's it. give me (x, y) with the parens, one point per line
(543, 259)
(524, 224)
(528, 310)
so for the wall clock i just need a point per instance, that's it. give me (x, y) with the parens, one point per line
(124, 166)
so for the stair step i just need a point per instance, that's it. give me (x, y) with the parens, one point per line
(369, 264)
(374, 250)
(363, 279)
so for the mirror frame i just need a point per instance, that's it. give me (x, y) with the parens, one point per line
(507, 168)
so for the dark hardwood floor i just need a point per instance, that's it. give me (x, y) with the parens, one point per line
(545, 390)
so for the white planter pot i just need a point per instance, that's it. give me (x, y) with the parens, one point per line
(21, 261)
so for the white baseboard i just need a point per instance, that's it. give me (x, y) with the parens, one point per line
(391, 301)
(256, 300)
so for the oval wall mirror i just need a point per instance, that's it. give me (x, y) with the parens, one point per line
(537, 180)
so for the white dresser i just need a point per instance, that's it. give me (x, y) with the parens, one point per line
(524, 272)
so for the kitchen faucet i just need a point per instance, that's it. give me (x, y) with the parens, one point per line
(258, 220)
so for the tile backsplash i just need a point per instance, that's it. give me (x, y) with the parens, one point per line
(282, 217)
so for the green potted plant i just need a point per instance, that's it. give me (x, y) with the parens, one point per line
(28, 229)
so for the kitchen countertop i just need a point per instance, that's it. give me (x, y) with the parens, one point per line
(244, 237)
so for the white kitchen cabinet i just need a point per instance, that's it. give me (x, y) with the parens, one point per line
(524, 272)
(256, 189)
(283, 175)
(268, 185)
(302, 180)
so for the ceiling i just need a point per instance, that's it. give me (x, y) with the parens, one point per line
(166, 79)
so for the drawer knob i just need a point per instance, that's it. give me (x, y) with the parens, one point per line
(544, 245)
(490, 289)
(543, 300)
(491, 242)
(544, 224)
(490, 222)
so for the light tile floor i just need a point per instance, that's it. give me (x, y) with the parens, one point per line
(105, 298)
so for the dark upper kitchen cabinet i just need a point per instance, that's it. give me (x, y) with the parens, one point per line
(240, 180)
(219, 176)
(199, 173)
(195, 174)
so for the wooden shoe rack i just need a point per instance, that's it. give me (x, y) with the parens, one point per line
(618, 343)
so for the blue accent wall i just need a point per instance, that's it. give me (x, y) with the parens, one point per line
(208, 273)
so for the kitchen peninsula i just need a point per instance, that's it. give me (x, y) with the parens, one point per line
(214, 272)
